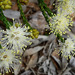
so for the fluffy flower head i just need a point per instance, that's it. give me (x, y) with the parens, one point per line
(7, 60)
(67, 47)
(60, 23)
(66, 7)
(16, 37)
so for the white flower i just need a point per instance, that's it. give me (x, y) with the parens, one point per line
(66, 7)
(16, 37)
(67, 47)
(7, 60)
(59, 24)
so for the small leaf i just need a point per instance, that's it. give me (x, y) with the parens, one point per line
(0, 47)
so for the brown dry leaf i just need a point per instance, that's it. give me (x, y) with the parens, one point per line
(41, 39)
(9, 73)
(31, 9)
(71, 34)
(47, 2)
(50, 6)
(73, 16)
(56, 60)
(52, 1)
(34, 1)
(33, 50)
(17, 68)
(33, 5)
(32, 61)
(73, 30)
(72, 62)
(38, 22)
(11, 14)
(14, 5)
(55, 53)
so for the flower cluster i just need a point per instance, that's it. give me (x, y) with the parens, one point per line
(7, 61)
(59, 24)
(34, 33)
(5, 4)
(13, 42)
(67, 48)
(16, 38)
(66, 7)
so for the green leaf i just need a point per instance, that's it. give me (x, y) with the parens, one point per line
(60, 38)
(23, 15)
(0, 47)
(43, 11)
(4, 19)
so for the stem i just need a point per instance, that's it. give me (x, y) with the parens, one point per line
(23, 15)
(46, 8)
(43, 11)
(48, 11)
(60, 38)
(4, 19)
